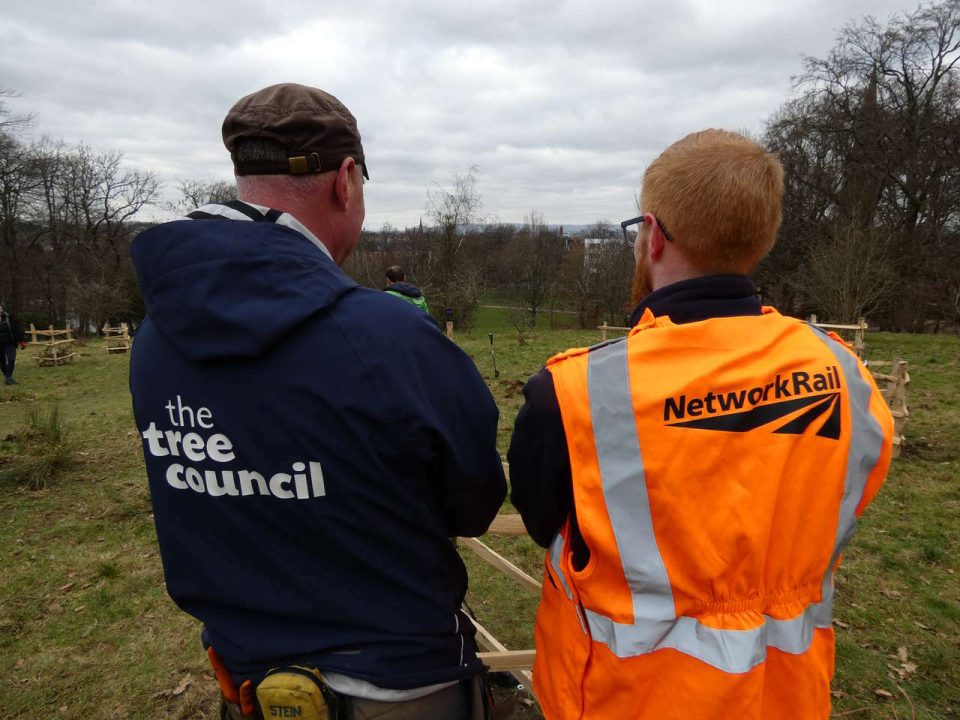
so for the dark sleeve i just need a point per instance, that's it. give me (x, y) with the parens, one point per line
(466, 470)
(540, 481)
(16, 331)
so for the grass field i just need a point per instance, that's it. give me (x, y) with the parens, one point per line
(87, 630)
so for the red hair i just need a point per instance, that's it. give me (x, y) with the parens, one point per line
(718, 194)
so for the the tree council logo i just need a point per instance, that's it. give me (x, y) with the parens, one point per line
(303, 483)
(799, 399)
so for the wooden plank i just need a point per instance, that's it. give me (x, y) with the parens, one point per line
(501, 563)
(507, 524)
(611, 327)
(54, 361)
(498, 660)
(486, 640)
(828, 326)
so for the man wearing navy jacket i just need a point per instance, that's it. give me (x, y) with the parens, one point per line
(311, 445)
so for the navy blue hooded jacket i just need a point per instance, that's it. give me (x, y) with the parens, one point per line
(311, 447)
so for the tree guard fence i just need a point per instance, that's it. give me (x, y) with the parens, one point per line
(55, 347)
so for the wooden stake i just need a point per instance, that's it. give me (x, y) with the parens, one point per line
(859, 345)
(496, 373)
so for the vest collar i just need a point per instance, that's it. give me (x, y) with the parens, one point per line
(701, 298)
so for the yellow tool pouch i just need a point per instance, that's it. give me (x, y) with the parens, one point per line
(296, 692)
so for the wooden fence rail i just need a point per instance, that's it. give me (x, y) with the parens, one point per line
(859, 333)
(604, 329)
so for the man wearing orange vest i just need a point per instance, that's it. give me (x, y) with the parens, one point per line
(696, 482)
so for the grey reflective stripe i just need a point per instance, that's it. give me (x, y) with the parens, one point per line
(732, 651)
(556, 549)
(624, 483)
(866, 444)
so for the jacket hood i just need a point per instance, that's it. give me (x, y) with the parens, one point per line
(230, 288)
(405, 288)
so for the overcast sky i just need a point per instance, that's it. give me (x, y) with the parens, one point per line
(560, 104)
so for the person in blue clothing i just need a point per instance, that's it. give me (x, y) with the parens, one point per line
(311, 445)
(11, 336)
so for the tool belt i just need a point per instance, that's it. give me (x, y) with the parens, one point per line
(287, 692)
(300, 692)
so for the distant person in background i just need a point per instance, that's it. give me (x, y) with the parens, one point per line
(11, 335)
(397, 285)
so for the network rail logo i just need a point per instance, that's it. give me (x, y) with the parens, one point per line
(789, 404)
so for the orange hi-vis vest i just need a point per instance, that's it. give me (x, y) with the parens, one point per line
(719, 468)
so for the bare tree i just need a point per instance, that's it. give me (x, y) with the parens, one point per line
(610, 267)
(520, 319)
(452, 211)
(849, 272)
(18, 185)
(11, 123)
(605, 273)
(197, 193)
(602, 228)
(536, 256)
(80, 212)
(871, 145)
(457, 279)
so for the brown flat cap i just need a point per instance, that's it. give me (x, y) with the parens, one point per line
(314, 128)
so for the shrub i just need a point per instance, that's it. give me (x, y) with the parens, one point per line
(45, 448)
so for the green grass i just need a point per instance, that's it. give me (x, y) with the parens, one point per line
(87, 630)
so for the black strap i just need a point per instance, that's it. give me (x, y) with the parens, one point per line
(252, 213)
(241, 207)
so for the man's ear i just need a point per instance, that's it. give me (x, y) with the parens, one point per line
(657, 239)
(342, 192)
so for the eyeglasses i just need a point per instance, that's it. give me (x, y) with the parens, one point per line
(637, 221)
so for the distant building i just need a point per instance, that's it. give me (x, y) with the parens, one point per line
(593, 250)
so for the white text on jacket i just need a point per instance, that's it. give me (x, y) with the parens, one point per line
(304, 482)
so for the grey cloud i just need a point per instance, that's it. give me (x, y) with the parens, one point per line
(561, 104)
